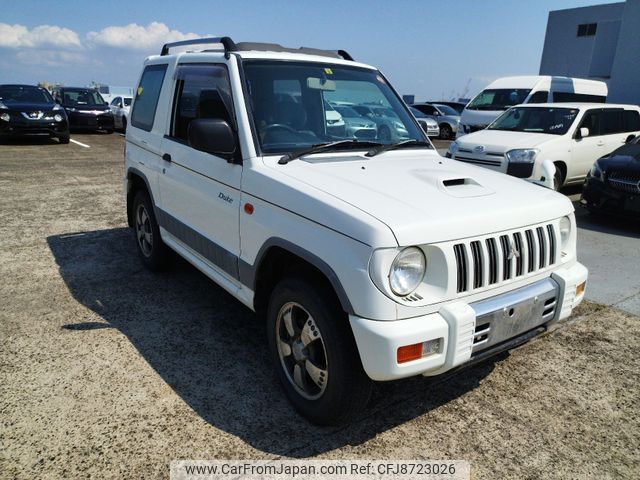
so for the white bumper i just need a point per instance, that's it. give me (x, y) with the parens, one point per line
(454, 324)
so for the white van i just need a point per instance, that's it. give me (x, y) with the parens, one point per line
(509, 91)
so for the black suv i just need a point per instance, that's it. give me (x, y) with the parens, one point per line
(30, 110)
(85, 108)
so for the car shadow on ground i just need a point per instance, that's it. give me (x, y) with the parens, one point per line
(29, 140)
(212, 351)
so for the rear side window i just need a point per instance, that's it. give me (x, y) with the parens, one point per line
(539, 97)
(202, 91)
(612, 121)
(147, 94)
(631, 121)
(566, 97)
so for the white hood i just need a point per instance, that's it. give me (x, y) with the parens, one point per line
(500, 141)
(424, 198)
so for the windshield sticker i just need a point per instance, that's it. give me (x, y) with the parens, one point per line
(139, 91)
(328, 71)
(557, 126)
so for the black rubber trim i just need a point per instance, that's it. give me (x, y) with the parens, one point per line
(247, 272)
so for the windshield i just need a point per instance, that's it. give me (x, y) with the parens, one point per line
(417, 113)
(24, 94)
(556, 121)
(127, 101)
(498, 98)
(288, 101)
(82, 98)
(446, 110)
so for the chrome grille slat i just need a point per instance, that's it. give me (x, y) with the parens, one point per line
(624, 181)
(486, 261)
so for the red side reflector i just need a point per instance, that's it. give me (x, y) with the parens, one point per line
(409, 352)
(248, 208)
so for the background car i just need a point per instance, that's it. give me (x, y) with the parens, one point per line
(428, 124)
(85, 107)
(120, 106)
(457, 106)
(613, 184)
(446, 117)
(335, 123)
(356, 125)
(30, 110)
(390, 128)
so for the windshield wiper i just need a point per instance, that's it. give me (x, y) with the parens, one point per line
(395, 146)
(321, 147)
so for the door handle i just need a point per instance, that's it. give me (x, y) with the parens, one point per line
(166, 157)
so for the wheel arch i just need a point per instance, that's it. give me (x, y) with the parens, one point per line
(136, 181)
(278, 258)
(562, 167)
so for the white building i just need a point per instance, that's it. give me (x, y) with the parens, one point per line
(599, 42)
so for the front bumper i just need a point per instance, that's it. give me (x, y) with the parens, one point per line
(33, 127)
(597, 196)
(87, 121)
(463, 328)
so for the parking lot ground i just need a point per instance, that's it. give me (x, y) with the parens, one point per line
(109, 371)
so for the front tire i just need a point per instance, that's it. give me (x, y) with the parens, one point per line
(152, 251)
(558, 179)
(64, 139)
(446, 132)
(314, 352)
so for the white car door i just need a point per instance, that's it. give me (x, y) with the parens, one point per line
(200, 191)
(586, 150)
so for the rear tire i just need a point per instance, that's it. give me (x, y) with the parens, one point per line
(314, 352)
(64, 139)
(152, 251)
(124, 124)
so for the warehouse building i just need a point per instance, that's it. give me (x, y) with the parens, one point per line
(601, 42)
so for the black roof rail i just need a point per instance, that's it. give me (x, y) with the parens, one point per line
(228, 44)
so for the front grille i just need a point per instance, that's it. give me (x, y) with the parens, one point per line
(624, 181)
(478, 161)
(502, 258)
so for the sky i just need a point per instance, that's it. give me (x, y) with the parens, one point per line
(432, 49)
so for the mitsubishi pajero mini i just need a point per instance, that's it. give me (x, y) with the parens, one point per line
(369, 260)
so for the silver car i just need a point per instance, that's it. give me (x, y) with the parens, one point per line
(356, 125)
(446, 117)
(428, 124)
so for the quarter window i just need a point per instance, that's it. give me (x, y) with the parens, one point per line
(147, 94)
(202, 91)
(587, 29)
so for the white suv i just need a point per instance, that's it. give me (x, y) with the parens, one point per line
(553, 144)
(369, 260)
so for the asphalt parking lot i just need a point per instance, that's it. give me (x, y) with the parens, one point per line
(110, 371)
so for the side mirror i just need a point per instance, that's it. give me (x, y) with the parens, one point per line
(582, 132)
(212, 135)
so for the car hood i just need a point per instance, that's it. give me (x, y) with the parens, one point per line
(424, 198)
(450, 118)
(625, 158)
(500, 141)
(24, 106)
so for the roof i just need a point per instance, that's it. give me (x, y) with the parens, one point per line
(267, 51)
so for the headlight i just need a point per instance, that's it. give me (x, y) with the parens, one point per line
(407, 271)
(565, 232)
(453, 148)
(596, 171)
(2, 105)
(57, 117)
(5, 117)
(526, 155)
(58, 107)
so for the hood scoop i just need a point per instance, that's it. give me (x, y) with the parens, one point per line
(463, 187)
